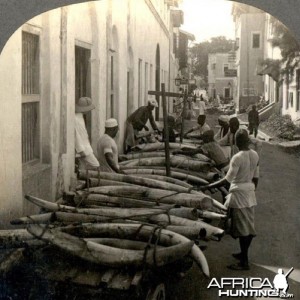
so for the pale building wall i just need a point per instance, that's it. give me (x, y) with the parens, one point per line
(216, 77)
(289, 103)
(270, 53)
(11, 203)
(144, 45)
(250, 58)
(103, 24)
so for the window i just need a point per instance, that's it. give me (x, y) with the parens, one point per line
(213, 66)
(30, 97)
(255, 40)
(146, 78)
(298, 89)
(151, 76)
(112, 70)
(225, 68)
(140, 93)
(291, 99)
(226, 92)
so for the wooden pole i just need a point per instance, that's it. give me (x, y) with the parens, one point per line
(166, 131)
(182, 116)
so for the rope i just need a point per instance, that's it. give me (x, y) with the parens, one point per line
(87, 180)
(155, 246)
(45, 228)
(98, 176)
(83, 198)
(156, 228)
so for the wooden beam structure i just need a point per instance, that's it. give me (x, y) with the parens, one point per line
(165, 94)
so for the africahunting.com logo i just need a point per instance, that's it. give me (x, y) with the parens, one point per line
(253, 286)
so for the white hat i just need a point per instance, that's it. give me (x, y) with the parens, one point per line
(110, 123)
(224, 118)
(153, 102)
(84, 104)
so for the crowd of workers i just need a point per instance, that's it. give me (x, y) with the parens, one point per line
(239, 165)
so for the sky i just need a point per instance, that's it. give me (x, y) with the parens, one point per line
(207, 18)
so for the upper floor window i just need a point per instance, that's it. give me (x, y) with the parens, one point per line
(30, 97)
(213, 66)
(298, 89)
(225, 67)
(255, 40)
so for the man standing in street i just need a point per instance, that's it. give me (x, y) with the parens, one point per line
(253, 119)
(83, 147)
(201, 106)
(229, 138)
(137, 121)
(107, 148)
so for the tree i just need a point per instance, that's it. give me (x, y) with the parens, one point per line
(289, 47)
(200, 53)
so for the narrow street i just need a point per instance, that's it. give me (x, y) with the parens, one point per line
(277, 222)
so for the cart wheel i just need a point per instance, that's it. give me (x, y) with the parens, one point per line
(158, 292)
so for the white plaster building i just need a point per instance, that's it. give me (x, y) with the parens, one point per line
(111, 50)
(250, 38)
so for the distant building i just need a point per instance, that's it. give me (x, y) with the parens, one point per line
(291, 94)
(250, 35)
(222, 75)
(258, 81)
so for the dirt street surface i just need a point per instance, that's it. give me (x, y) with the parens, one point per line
(277, 244)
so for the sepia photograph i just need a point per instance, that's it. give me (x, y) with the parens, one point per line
(149, 149)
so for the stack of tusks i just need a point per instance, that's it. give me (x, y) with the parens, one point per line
(141, 217)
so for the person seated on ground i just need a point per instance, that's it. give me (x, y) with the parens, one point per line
(210, 148)
(107, 148)
(200, 128)
(224, 127)
(137, 122)
(171, 130)
(242, 176)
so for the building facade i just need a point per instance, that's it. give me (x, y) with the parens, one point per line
(222, 76)
(113, 51)
(254, 34)
(250, 40)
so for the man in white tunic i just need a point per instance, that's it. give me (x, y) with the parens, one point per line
(201, 106)
(243, 178)
(83, 147)
(107, 148)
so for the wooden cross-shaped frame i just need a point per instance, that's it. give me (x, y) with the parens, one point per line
(165, 94)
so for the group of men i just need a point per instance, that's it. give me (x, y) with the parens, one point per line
(242, 164)
(106, 158)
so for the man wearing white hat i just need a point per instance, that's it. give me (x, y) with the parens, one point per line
(107, 148)
(137, 122)
(82, 143)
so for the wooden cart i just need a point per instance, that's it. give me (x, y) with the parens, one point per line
(47, 273)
